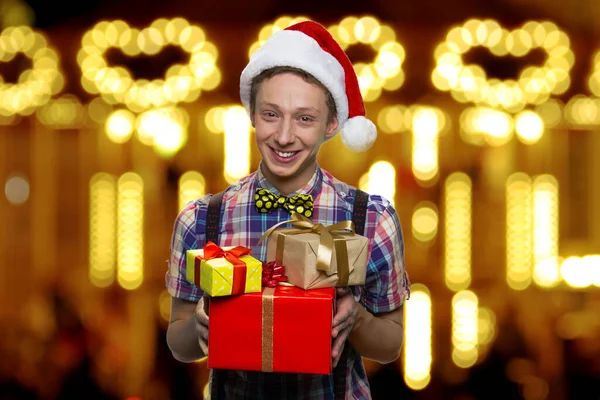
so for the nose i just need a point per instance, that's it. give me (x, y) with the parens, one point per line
(285, 134)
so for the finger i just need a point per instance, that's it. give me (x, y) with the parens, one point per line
(338, 346)
(202, 331)
(343, 312)
(340, 327)
(203, 346)
(342, 290)
(200, 313)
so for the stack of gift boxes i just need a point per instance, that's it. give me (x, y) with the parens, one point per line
(276, 315)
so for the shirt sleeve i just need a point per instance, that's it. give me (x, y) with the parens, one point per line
(183, 238)
(387, 284)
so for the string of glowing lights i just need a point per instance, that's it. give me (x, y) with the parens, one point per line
(116, 85)
(36, 85)
(469, 83)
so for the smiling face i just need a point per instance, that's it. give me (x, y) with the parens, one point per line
(292, 119)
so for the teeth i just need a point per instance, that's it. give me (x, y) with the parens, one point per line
(284, 155)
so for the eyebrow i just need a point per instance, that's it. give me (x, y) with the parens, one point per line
(301, 109)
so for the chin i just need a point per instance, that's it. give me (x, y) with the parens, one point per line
(281, 170)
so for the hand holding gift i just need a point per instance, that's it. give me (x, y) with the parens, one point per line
(343, 321)
(201, 320)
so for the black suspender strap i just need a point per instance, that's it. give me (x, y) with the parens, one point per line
(340, 372)
(213, 218)
(359, 213)
(213, 222)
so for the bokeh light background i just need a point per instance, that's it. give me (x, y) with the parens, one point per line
(114, 115)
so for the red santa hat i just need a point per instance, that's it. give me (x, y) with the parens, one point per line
(310, 47)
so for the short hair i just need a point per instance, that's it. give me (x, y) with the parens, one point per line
(308, 78)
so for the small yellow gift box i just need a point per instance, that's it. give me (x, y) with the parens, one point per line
(224, 271)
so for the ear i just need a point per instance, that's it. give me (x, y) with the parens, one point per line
(332, 128)
(253, 119)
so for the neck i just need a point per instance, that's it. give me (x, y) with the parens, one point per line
(290, 184)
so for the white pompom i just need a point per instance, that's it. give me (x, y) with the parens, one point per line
(359, 134)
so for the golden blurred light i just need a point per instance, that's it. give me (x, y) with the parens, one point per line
(266, 31)
(165, 129)
(192, 186)
(550, 112)
(181, 83)
(594, 79)
(583, 112)
(529, 126)
(545, 231)
(382, 180)
(214, 119)
(457, 249)
(363, 182)
(425, 222)
(391, 119)
(483, 125)
(486, 325)
(119, 126)
(236, 126)
(417, 338)
(367, 29)
(581, 272)
(35, 85)
(519, 231)
(103, 229)
(465, 328)
(592, 263)
(574, 273)
(577, 324)
(16, 13)
(535, 388)
(130, 228)
(16, 190)
(98, 110)
(164, 305)
(62, 113)
(469, 83)
(425, 129)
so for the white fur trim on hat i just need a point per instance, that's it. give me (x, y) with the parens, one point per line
(359, 134)
(287, 48)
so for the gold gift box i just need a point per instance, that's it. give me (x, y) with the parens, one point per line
(299, 251)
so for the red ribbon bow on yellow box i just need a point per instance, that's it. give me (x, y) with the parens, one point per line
(223, 271)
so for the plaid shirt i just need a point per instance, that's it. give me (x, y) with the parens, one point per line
(385, 289)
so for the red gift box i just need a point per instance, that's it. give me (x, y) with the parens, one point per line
(282, 329)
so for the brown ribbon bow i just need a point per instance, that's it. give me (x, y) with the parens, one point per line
(329, 240)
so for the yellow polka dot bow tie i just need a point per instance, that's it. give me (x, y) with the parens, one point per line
(265, 202)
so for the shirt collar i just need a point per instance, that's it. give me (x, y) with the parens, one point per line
(312, 187)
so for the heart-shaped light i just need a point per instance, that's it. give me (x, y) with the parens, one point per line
(384, 72)
(36, 85)
(469, 83)
(181, 83)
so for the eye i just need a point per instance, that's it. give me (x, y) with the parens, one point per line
(306, 119)
(269, 114)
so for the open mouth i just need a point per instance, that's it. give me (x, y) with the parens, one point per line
(284, 155)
